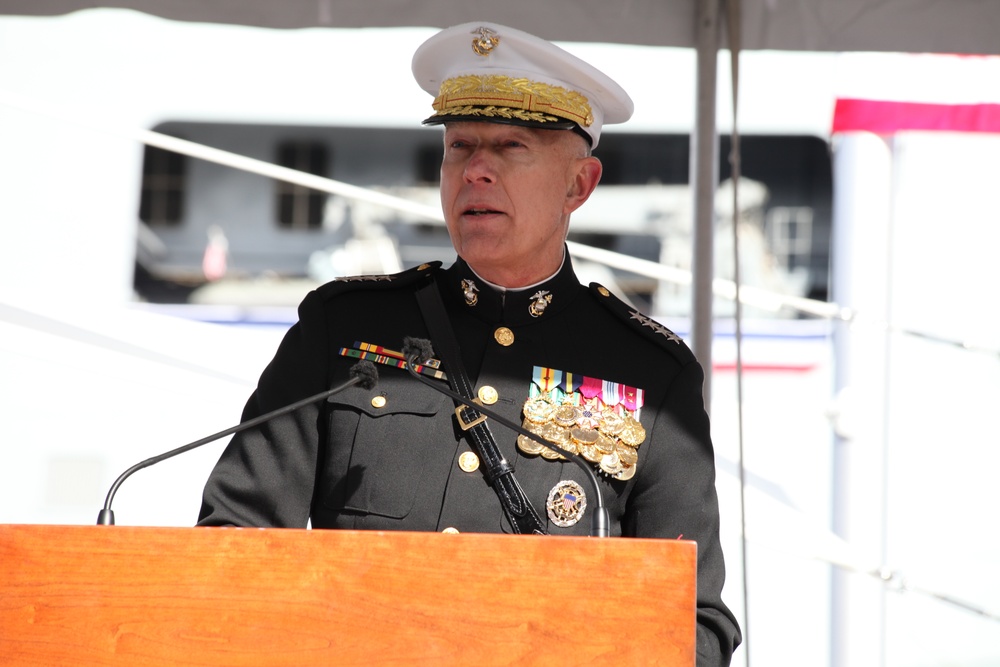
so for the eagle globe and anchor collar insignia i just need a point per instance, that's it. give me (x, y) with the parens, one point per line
(594, 418)
(513, 305)
(470, 291)
(540, 300)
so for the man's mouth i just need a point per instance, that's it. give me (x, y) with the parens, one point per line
(480, 211)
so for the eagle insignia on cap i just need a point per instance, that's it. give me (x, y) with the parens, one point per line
(485, 41)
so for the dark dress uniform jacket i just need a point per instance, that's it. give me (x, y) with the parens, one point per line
(346, 463)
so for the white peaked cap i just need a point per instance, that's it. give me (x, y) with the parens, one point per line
(488, 72)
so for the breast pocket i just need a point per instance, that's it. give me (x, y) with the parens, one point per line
(380, 443)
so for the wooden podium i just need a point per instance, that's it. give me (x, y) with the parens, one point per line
(114, 595)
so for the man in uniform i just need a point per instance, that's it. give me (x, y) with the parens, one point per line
(570, 363)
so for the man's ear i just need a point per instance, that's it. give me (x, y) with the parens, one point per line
(586, 176)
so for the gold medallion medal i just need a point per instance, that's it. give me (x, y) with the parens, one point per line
(632, 434)
(591, 453)
(529, 446)
(604, 444)
(611, 463)
(625, 474)
(560, 437)
(612, 423)
(627, 455)
(566, 415)
(538, 410)
(551, 454)
(556, 434)
(584, 436)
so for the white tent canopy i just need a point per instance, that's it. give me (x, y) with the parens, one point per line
(952, 26)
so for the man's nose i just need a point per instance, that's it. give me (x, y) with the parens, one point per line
(481, 166)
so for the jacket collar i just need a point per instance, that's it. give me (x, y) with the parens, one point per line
(466, 291)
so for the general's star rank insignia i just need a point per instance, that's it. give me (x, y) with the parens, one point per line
(357, 279)
(655, 326)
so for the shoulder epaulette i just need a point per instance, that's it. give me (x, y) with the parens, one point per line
(643, 324)
(379, 281)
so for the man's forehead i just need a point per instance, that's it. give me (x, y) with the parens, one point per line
(506, 129)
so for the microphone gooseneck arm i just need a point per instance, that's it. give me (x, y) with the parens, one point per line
(362, 374)
(416, 349)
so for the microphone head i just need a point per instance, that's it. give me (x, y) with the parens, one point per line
(417, 350)
(366, 374)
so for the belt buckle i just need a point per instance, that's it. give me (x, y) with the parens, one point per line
(466, 425)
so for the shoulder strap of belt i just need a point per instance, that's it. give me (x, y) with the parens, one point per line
(499, 474)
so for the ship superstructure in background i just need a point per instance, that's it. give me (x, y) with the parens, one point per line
(292, 98)
(279, 234)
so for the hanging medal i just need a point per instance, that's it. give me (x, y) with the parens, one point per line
(594, 418)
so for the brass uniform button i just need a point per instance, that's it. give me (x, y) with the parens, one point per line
(604, 291)
(504, 336)
(468, 462)
(450, 531)
(378, 402)
(488, 395)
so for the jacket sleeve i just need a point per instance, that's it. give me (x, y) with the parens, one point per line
(266, 475)
(676, 499)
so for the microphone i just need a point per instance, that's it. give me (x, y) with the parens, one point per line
(415, 350)
(362, 374)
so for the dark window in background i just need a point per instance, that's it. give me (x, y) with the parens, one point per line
(161, 202)
(300, 207)
(798, 174)
(428, 165)
(796, 170)
(799, 163)
(641, 159)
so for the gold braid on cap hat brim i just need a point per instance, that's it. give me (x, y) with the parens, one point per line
(498, 95)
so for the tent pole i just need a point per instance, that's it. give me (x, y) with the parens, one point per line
(704, 170)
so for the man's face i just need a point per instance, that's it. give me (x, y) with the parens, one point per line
(507, 192)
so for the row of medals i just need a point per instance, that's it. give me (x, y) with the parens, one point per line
(598, 433)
